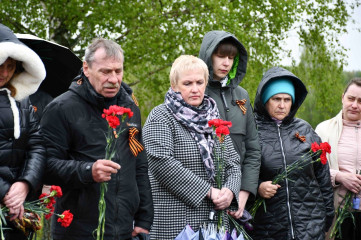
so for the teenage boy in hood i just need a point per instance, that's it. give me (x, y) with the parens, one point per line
(226, 59)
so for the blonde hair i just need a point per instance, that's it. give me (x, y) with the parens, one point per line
(185, 63)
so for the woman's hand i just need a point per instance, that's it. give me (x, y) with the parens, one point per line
(351, 181)
(15, 198)
(268, 189)
(242, 196)
(138, 230)
(222, 198)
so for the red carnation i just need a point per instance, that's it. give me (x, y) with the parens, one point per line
(219, 122)
(51, 208)
(129, 112)
(43, 195)
(56, 191)
(48, 216)
(65, 218)
(111, 115)
(222, 130)
(315, 147)
(227, 123)
(113, 121)
(323, 158)
(214, 123)
(325, 147)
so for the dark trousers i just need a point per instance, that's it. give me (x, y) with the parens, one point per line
(349, 230)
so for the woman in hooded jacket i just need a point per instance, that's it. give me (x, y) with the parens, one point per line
(22, 154)
(301, 206)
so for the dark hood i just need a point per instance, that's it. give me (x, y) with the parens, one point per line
(209, 44)
(81, 86)
(274, 73)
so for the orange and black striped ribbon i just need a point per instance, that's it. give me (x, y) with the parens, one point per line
(301, 138)
(135, 100)
(134, 144)
(241, 104)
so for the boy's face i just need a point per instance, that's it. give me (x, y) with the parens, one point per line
(221, 65)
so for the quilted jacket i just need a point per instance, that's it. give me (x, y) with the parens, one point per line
(303, 207)
(21, 159)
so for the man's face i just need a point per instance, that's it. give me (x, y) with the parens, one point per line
(351, 103)
(221, 65)
(105, 74)
(7, 70)
(279, 106)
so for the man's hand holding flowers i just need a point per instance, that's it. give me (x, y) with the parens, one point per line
(102, 170)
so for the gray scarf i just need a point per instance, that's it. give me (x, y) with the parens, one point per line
(195, 119)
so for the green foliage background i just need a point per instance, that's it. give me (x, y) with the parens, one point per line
(154, 32)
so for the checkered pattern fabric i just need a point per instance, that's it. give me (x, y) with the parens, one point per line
(178, 177)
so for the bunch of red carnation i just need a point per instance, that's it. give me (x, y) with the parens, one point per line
(324, 147)
(221, 127)
(111, 115)
(48, 201)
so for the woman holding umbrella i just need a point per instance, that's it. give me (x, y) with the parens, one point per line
(22, 154)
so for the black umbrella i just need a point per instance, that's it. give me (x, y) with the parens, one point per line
(61, 64)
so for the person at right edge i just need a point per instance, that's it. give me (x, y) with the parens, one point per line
(300, 206)
(343, 132)
(226, 59)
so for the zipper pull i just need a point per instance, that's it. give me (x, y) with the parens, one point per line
(224, 101)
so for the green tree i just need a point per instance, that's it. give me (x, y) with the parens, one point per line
(323, 76)
(154, 32)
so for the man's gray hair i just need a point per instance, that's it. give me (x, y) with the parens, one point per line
(112, 50)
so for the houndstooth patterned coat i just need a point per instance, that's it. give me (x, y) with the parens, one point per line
(178, 177)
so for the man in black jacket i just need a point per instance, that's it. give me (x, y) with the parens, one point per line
(74, 131)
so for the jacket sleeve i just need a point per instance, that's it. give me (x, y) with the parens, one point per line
(322, 173)
(6, 177)
(144, 215)
(323, 131)
(34, 165)
(167, 170)
(60, 169)
(232, 169)
(252, 157)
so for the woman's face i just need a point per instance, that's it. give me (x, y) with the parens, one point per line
(279, 106)
(191, 84)
(351, 103)
(7, 70)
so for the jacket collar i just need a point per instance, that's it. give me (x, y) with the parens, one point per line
(85, 90)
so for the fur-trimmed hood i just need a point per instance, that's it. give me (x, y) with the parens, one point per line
(28, 81)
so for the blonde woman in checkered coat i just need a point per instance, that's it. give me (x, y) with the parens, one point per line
(180, 148)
